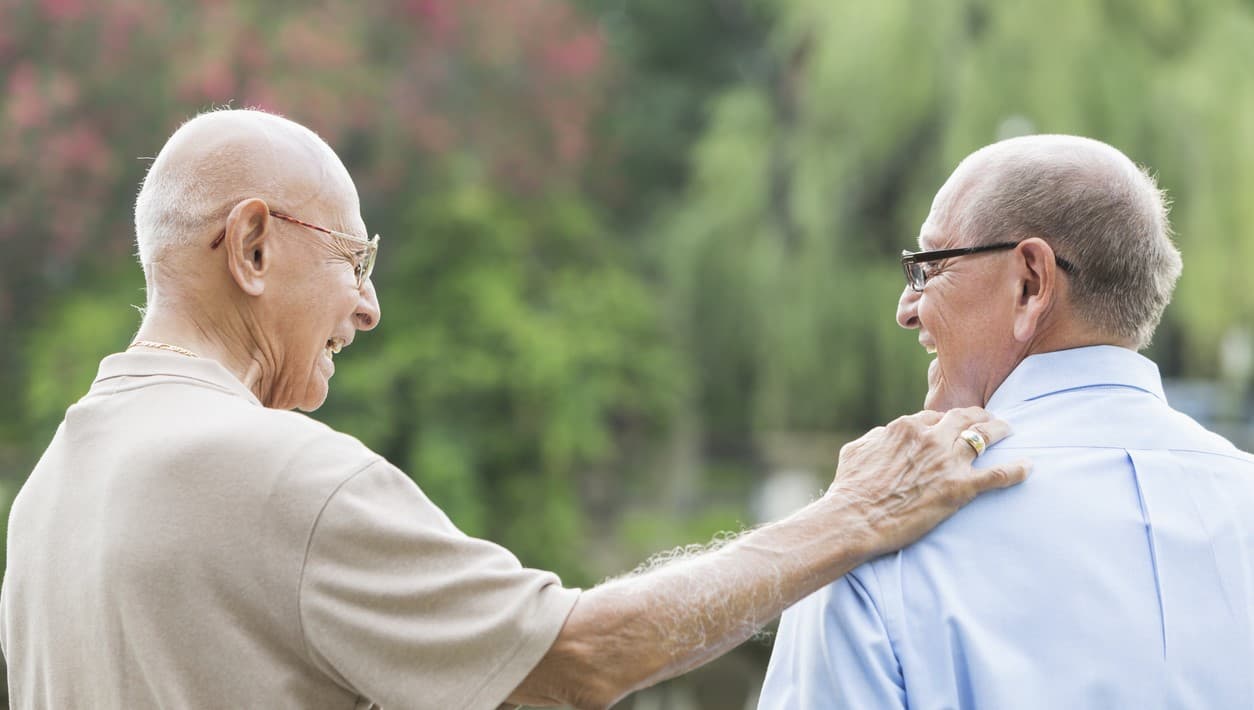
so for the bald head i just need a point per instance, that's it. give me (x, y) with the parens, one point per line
(1094, 206)
(220, 158)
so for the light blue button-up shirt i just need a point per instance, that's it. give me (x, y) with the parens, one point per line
(1120, 575)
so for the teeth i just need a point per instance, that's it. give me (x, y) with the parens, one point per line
(931, 349)
(334, 345)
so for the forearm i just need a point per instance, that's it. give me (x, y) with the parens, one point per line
(633, 632)
(892, 485)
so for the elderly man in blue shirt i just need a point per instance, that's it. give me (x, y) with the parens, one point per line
(1122, 574)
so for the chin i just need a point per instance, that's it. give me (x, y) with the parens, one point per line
(313, 402)
(314, 397)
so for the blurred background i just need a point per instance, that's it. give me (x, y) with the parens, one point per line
(639, 257)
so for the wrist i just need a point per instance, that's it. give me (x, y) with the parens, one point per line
(860, 523)
(826, 539)
(854, 519)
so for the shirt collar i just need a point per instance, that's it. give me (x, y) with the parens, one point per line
(149, 364)
(1047, 373)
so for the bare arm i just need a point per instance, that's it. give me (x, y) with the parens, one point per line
(892, 485)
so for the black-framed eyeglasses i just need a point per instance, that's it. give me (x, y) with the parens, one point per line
(363, 266)
(912, 262)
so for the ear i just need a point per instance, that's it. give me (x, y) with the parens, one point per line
(1037, 283)
(247, 242)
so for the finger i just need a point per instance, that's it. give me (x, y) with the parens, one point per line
(927, 417)
(955, 420)
(989, 432)
(1000, 476)
(993, 430)
(963, 446)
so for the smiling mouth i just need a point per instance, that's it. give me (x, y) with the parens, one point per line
(334, 345)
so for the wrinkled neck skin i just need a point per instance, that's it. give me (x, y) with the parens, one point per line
(1059, 329)
(228, 330)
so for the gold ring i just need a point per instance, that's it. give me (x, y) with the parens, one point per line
(974, 440)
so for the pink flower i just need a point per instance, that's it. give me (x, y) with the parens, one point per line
(578, 56)
(63, 10)
(27, 106)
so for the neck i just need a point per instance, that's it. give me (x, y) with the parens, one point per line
(1051, 336)
(1072, 334)
(223, 339)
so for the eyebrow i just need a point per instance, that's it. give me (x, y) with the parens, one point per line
(924, 233)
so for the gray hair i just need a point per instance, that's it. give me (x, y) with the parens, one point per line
(1094, 206)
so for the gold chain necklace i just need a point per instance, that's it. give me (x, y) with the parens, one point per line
(161, 346)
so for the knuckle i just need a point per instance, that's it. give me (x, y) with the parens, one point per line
(922, 416)
(917, 423)
(977, 414)
(899, 423)
(1001, 477)
(961, 415)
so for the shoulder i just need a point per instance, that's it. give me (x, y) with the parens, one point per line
(231, 443)
(278, 440)
(1109, 417)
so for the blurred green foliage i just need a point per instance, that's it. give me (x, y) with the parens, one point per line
(625, 242)
(522, 350)
(808, 182)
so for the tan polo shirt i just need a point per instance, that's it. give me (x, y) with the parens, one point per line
(181, 546)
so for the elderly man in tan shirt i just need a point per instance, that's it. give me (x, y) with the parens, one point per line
(188, 542)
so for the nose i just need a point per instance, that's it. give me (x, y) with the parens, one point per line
(908, 308)
(368, 313)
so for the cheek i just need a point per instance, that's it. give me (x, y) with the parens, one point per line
(958, 315)
(938, 318)
(348, 305)
(332, 303)
(958, 330)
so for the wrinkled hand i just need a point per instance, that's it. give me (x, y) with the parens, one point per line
(908, 476)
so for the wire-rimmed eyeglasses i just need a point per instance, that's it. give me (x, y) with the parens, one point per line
(363, 266)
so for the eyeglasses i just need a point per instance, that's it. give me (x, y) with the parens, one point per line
(916, 275)
(362, 266)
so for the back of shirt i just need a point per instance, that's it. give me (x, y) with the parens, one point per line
(1120, 575)
(181, 546)
(150, 548)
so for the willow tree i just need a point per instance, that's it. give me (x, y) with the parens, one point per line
(815, 173)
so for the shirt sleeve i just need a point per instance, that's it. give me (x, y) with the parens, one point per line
(400, 607)
(833, 651)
